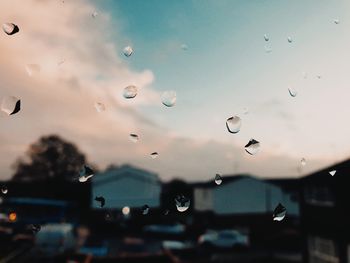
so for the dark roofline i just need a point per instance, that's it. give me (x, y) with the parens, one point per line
(343, 165)
(226, 179)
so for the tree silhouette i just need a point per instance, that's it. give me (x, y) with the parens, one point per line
(49, 158)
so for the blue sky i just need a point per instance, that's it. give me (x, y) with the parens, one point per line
(224, 71)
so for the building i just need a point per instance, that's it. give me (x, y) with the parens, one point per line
(126, 186)
(242, 195)
(325, 215)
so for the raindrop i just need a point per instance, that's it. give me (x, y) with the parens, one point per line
(85, 174)
(169, 98)
(35, 228)
(319, 76)
(4, 190)
(303, 161)
(292, 92)
(166, 212)
(10, 28)
(245, 110)
(290, 39)
(184, 47)
(268, 49)
(128, 51)
(233, 124)
(133, 137)
(145, 209)
(94, 14)
(252, 147)
(279, 213)
(333, 172)
(304, 74)
(61, 62)
(336, 21)
(130, 92)
(99, 106)
(182, 203)
(266, 37)
(10, 105)
(32, 69)
(101, 200)
(218, 179)
(154, 155)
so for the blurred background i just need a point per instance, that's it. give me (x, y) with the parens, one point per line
(174, 131)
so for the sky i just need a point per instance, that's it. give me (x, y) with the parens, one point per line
(225, 71)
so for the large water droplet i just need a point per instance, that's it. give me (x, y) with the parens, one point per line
(289, 39)
(99, 106)
(154, 155)
(336, 21)
(233, 124)
(4, 190)
(32, 69)
(128, 51)
(333, 172)
(279, 213)
(218, 179)
(145, 209)
(169, 98)
(133, 137)
(182, 203)
(10, 28)
(266, 37)
(101, 200)
(252, 147)
(293, 92)
(303, 161)
(130, 92)
(10, 105)
(85, 174)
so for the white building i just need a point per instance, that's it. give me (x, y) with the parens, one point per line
(242, 195)
(126, 186)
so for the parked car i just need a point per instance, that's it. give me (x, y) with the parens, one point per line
(223, 239)
(55, 238)
(176, 229)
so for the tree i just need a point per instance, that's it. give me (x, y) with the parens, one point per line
(50, 158)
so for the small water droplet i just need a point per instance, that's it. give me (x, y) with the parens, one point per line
(233, 124)
(145, 209)
(10, 28)
(266, 37)
(32, 69)
(182, 203)
(61, 62)
(319, 76)
(85, 174)
(154, 155)
(130, 92)
(184, 47)
(94, 14)
(333, 172)
(35, 228)
(268, 49)
(304, 74)
(99, 106)
(303, 161)
(289, 39)
(336, 21)
(128, 50)
(133, 137)
(292, 92)
(10, 105)
(245, 110)
(252, 147)
(101, 200)
(169, 98)
(218, 179)
(4, 190)
(166, 212)
(279, 213)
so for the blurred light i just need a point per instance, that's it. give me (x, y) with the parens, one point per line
(12, 217)
(126, 210)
